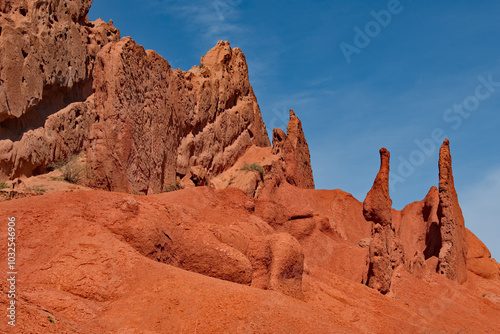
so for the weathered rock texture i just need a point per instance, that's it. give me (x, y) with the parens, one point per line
(377, 209)
(69, 86)
(286, 162)
(47, 57)
(293, 151)
(205, 117)
(453, 253)
(417, 228)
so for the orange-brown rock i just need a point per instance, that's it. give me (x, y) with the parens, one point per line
(377, 206)
(61, 96)
(278, 264)
(417, 228)
(98, 262)
(453, 253)
(273, 255)
(288, 161)
(294, 153)
(205, 117)
(377, 209)
(479, 259)
(47, 56)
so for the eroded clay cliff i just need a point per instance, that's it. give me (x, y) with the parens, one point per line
(47, 52)
(70, 86)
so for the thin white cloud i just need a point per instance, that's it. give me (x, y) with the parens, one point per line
(479, 204)
(217, 19)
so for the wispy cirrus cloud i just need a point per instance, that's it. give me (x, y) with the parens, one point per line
(212, 20)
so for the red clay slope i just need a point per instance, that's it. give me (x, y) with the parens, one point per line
(90, 260)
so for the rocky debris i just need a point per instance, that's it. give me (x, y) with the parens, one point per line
(377, 209)
(453, 253)
(198, 175)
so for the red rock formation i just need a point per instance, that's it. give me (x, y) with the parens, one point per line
(377, 209)
(479, 259)
(206, 117)
(294, 152)
(46, 56)
(287, 162)
(377, 206)
(87, 258)
(417, 228)
(48, 51)
(453, 253)
(141, 122)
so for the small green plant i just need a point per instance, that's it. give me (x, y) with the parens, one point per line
(51, 319)
(4, 185)
(254, 167)
(173, 187)
(202, 66)
(39, 190)
(73, 171)
(484, 295)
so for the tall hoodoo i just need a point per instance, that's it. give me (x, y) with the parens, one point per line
(377, 208)
(453, 253)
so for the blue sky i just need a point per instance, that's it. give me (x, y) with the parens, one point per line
(360, 75)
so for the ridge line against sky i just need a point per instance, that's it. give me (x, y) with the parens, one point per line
(419, 64)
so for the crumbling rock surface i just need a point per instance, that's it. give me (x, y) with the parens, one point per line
(417, 227)
(453, 253)
(47, 56)
(47, 51)
(205, 117)
(191, 260)
(288, 161)
(377, 209)
(293, 151)
(143, 123)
